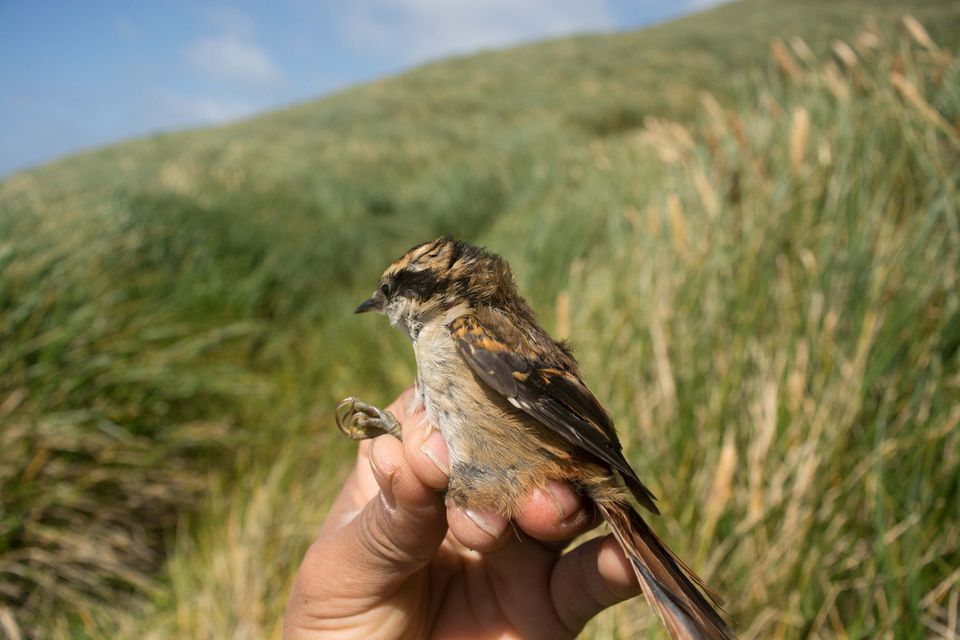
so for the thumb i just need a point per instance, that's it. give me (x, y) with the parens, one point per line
(399, 531)
(395, 535)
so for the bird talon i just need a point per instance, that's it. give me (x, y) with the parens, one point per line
(361, 421)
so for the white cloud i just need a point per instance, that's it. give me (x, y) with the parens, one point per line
(232, 55)
(240, 75)
(230, 58)
(169, 110)
(418, 30)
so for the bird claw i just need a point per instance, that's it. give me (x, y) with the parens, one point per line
(359, 421)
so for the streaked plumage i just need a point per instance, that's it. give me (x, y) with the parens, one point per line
(516, 414)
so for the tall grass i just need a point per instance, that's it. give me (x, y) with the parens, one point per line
(782, 321)
(767, 299)
(762, 287)
(110, 408)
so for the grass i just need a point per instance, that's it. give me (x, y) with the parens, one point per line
(761, 283)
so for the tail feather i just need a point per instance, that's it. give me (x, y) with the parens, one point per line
(670, 587)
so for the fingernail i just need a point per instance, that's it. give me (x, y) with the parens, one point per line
(490, 524)
(436, 449)
(575, 521)
(386, 486)
(566, 501)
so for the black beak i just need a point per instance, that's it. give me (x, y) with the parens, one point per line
(373, 304)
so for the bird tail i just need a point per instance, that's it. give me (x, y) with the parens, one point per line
(686, 605)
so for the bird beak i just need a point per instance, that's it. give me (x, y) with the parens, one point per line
(375, 303)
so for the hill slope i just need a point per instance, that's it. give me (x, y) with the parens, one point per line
(767, 295)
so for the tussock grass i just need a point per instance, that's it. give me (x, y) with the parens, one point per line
(781, 322)
(760, 282)
(770, 308)
(95, 466)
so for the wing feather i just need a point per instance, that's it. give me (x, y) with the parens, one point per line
(548, 391)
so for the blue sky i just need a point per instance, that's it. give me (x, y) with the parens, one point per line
(79, 74)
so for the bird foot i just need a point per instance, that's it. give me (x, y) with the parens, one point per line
(359, 421)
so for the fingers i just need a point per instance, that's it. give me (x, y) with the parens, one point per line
(426, 452)
(401, 531)
(423, 445)
(590, 578)
(393, 536)
(554, 513)
(478, 529)
(361, 485)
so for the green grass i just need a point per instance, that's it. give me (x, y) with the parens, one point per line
(761, 285)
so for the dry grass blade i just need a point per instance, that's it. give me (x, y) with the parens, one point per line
(761, 286)
(785, 62)
(799, 130)
(912, 95)
(918, 33)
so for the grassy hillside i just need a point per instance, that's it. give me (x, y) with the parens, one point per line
(760, 281)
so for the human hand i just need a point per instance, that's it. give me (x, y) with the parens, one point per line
(393, 561)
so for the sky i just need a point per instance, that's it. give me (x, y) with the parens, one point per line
(79, 74)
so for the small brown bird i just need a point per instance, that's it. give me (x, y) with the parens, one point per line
(515, 413)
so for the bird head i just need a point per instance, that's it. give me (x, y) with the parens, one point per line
(433, 277)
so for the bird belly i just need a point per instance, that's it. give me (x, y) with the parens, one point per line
(497, 453)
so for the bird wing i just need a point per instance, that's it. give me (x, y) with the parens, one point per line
(547, 391)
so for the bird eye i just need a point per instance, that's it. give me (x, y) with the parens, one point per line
(385, 289)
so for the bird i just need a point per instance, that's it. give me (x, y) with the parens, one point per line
(514, 412)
